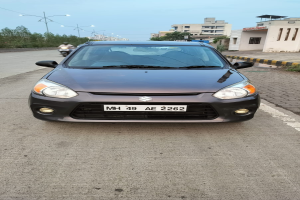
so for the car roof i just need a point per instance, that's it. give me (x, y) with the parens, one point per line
(169, 43)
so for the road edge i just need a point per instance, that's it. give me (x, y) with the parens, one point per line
(288, 117)
(264, 61)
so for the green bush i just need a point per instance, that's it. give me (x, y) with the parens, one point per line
(173, 36)
(219, 38)
(293, 68)
(21, 37)
(221, 48)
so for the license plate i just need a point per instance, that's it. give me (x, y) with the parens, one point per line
(146, 108)
(63, 49)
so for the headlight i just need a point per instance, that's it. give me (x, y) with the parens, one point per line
(238, 90)
(52, 89)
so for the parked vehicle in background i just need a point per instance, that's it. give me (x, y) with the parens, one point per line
(65, 49)
(144, 82)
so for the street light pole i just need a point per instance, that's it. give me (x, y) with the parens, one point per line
(78, 30)
(45, 18)
(111, 36)
(46, 23)
(93, 34)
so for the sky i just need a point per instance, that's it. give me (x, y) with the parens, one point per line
(136, 19)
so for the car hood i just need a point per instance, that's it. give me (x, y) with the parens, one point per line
(144, 81)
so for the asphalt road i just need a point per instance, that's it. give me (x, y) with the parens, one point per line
(12, 63)
(257, 159)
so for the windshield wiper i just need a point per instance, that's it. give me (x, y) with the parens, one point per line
(148, 67)
(130, 67)
(200, 66)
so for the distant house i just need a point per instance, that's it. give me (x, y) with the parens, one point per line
(277, 34)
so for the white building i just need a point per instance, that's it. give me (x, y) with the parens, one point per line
(108, 38)
(154, 35)
(235, 39)
(211, 26)
(209, 29)
(161, 33)
(278, 35)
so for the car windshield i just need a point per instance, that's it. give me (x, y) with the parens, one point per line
(145, 56)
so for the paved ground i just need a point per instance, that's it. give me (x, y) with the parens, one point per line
(13, 63)
(5, 50)
(257, 159)
(283, 56)
(277, 86)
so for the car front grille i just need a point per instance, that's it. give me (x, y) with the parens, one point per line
(95, 111)
(145, 94)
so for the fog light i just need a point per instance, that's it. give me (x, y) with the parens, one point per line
(46, 110)
(241, 111)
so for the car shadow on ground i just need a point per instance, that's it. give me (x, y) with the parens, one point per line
(147, 128)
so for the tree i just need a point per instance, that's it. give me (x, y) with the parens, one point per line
(221, 48)
(173, 36)
(22, 38)
(219, 38)
(157, 38)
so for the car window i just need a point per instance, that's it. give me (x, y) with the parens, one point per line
(146, 55)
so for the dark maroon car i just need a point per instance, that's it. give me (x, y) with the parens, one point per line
(144, 82)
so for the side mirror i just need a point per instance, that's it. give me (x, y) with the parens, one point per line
(47, 63)
(240, 65)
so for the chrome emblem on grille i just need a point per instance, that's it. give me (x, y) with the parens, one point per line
(145, 98)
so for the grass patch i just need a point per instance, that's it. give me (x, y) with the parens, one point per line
(293, 68)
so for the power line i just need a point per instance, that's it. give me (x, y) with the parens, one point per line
(17, 12)
(50, 20)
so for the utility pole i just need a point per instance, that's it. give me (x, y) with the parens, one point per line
(45, 19)
(46, 23)
(93, 34)
(78, 30)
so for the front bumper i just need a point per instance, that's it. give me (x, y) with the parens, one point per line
(64, 107)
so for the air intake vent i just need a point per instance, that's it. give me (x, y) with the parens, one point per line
(146, 94)
(95, 111)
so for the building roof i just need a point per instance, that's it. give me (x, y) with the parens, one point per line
(271, 16)
(206, 36)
